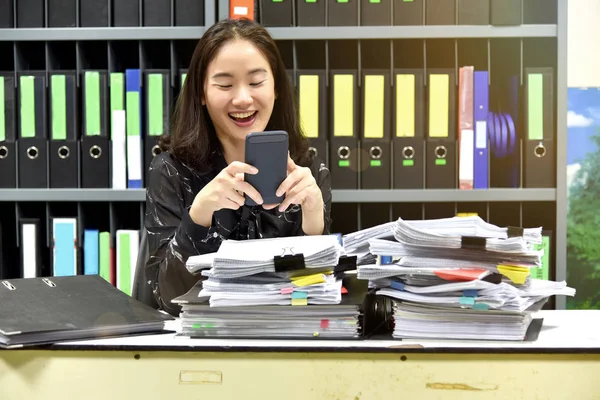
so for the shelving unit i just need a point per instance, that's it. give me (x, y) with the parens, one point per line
(117, 48)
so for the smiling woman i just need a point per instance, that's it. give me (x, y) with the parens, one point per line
(236, 84)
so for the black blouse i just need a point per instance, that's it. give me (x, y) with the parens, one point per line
(173, 236)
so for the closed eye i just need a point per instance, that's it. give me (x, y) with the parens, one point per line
(224, 86)
(258, 83)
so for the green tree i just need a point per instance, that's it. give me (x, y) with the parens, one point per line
(583, 232)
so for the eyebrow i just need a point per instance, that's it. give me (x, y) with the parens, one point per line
(228, 75)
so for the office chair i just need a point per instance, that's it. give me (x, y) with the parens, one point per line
(141, 289)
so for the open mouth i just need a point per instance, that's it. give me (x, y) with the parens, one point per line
(243, 118)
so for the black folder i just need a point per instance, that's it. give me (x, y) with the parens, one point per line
(440, 12)
(189, 12)
(33, 133)
(39, 311)
(95, 146)
(310, 12)
(8, 131)
(30, 13)
(408, 12)
(473, 12)
(157, 12)
(505, 12)
(93, 13)
(158, 107)
(342, 12)
(539, 150)
(276, 12)
(62, 13)
(126, 13)
(408, 149)
(7, 14)
(375, 12)
(64, 128)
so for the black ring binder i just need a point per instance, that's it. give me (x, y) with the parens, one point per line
(472, 242)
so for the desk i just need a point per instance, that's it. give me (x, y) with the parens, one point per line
(564, 363)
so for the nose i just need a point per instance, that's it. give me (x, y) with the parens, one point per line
(242, 97)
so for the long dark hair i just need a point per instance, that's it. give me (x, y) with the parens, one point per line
(193, 139)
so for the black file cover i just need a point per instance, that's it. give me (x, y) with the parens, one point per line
(126, 13)
(539, 151)
(30, 13)
(440, 167)
(32, 142)
(95, 145)
(48, 310)
(157, 12)
(189, 12)
(310, 12)
(473, 12)
(64, 151)
(276, 12)
(408, 12)
(93, 13)
(7, 15)
(408, 148)
(375, 144)
(342, 13)
(440, 12)
(62, 13)
(505, 12)
(375, 12)
(8, 132)
(157, 85)
(343, 145)
(540, 11)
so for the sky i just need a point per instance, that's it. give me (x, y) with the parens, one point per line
(583, 120)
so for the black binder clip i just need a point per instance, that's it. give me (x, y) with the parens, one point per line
(345, 263)
(473, 242)
(289, 262)
(513, 231)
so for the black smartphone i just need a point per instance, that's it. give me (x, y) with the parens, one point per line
(268, 152)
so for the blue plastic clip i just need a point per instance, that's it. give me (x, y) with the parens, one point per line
(385, 260)
(397, 285)
(470, 293)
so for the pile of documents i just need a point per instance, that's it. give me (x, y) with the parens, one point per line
(460, 278)
(251, 284)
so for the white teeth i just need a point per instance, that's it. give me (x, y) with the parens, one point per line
(241, 115)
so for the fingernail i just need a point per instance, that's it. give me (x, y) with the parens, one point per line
(278, 193)
(254, 170)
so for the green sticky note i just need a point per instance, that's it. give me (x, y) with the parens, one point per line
(375, 163)
(374, 1)
(155, 104)
(311, 1)
(440, 161)
(535, 106)
(59, 107)
(480, 306)
(2, 111)
(342, 1)
(124, 263)
(343, 163)
(277, 1)
(408, 163)
(132, 113)
(92, 103)
(117, 88)
(467, 301)
(104, 255)
(407, 1)
(27, 111)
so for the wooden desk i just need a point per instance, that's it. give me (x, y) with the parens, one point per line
(564, 363)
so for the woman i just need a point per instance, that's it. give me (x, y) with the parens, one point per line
(236, 84)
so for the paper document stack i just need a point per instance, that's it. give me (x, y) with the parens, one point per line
(251, 284)
(460, 278)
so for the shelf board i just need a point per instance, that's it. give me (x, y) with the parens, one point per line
(286, 33)
(339, 196)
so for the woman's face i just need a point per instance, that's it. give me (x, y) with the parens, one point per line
(239, 90)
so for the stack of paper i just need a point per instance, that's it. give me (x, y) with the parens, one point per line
(460, 278)
(254, 282)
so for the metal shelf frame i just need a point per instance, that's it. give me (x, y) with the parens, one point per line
(339, 196)
(291, 33)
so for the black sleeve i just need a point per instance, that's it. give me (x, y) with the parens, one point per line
(172, 235)
(323, 178)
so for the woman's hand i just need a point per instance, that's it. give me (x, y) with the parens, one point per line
(226, 190)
